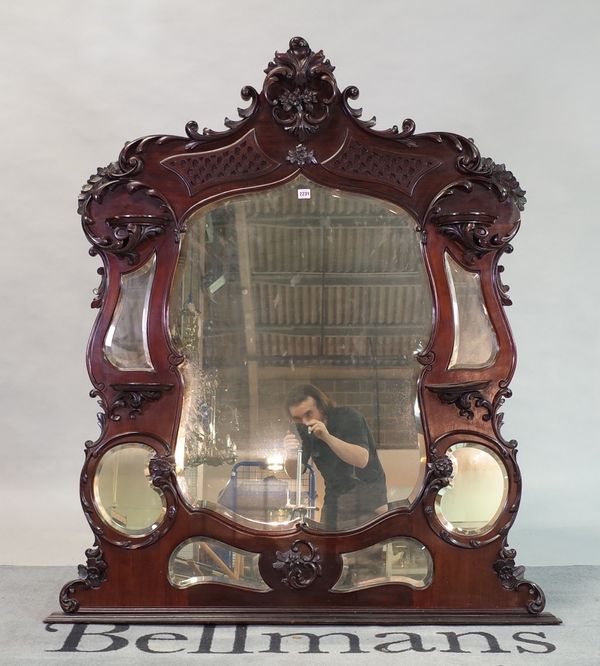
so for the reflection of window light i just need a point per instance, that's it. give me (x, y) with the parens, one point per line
(275, 462)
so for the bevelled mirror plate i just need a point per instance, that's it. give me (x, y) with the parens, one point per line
(403, 561)
(475, 341)
(199, 560)
(126, 342)
(298, 285)
(477, 493)
(123, 491)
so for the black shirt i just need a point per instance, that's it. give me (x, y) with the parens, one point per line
(351, 493)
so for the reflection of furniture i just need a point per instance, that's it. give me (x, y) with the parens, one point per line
(257, 493)
(349, 310)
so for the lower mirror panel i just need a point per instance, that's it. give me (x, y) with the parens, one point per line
(123, 492)
(198, 560)
(403, 560)
(472, 502)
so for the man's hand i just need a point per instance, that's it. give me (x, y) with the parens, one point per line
(318, 429)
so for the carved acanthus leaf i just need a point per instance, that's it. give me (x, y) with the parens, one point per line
(300, 87)
(248, 93)
(498, 178)
(91, 576)
(472, 231)
(498, 417)
(462, 396)
(125, 232)
(408, 125)
(301, 565)
(134, 397)
(512, 578)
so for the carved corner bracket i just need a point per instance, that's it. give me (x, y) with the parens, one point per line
(300, 87)
(124, 232)
(91, 576)
(462, 396)
(512, 578)
(472, 230)
(301, 565)
(134, 397)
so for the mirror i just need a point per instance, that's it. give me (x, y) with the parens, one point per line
(477, 493)
(475, 342)
(300, 311)
(123, 491)
(198, 560)
(126, 342)
(402, 560)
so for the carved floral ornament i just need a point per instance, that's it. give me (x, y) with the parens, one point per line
(300, 87)
(301, 565)
(91, 576)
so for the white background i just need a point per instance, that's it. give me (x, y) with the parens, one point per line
(79, 78)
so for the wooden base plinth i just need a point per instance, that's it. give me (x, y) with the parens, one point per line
(160, 616)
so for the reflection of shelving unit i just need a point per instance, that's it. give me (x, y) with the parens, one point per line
(255, 492)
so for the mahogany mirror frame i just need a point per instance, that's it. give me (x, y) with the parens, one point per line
(464, 205)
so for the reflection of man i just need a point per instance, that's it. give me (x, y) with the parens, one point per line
(341, 446)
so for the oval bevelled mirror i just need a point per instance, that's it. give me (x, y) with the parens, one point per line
(123, 491)
(477, 494)
(299, 311)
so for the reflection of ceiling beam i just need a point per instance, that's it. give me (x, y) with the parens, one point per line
(338, 360)
(300, 279)
(312, 330)
(405, 224)
(246, 296)
(300, 374)
(347, 331)
(315, 330)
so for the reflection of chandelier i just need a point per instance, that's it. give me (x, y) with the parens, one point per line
(205, 442)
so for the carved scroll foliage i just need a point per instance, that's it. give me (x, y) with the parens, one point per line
(472, 230)
(100, 291)
(91, 576)
(240, 160)
(511, 577)
(134, 397)
(408, 125)
(98, 183)
(301, 564)
(124, 233)
(465, 397)
(498, 417)
(191, 129)
(300, 87)
(498, 178)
